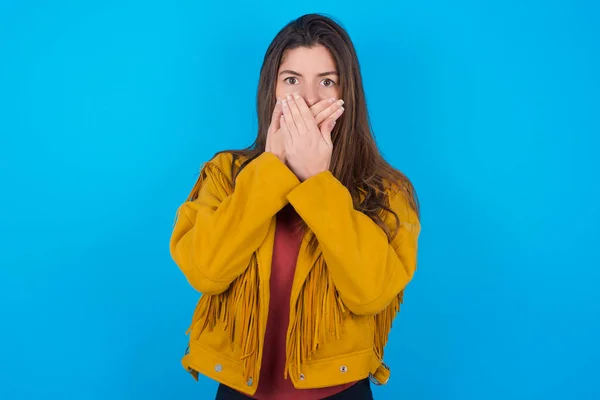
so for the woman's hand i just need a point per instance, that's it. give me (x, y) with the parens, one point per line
(307, 146)
(324, 109)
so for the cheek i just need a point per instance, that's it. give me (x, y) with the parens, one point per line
(338, 91)
(328, 92)
(281, 90)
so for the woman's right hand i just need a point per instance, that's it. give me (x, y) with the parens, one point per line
(320, 110)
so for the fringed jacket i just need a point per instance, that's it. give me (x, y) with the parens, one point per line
(344, 295)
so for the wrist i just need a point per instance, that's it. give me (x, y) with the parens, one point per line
(280, 156)
(307, 174)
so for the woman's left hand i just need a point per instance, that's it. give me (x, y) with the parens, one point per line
(308, 148)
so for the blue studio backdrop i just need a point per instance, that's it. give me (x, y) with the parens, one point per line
(108, 109)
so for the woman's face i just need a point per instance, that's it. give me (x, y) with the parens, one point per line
(311, 72)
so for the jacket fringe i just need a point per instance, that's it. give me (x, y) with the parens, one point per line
(318, 318)
(237, 309)
(383, 324)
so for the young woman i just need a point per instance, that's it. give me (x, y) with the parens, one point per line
(302, 244)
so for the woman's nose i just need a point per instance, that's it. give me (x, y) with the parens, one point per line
(310, 95)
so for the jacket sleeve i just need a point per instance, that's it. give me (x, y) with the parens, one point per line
(367, 270)
(216, 234)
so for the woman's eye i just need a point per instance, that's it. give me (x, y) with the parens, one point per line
(328, 82)
(291, 80)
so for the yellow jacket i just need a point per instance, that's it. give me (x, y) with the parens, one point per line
(344, 295)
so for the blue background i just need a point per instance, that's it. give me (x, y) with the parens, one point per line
(108, 109)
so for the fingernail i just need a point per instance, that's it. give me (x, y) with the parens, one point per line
(340, 102)
(278, 101)
(289, 96)
(284, 103)
(296, 95)
(331, 100)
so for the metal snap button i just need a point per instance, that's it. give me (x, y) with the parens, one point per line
(218, 368)
(301, 377)
(343, 368)
(249, 383)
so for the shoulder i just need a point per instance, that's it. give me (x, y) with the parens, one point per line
(221, 160)
(224, 163)
(219, 171)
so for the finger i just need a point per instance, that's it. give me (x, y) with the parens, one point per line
(298, 118)
(307, 116)
(277, 112)
(328, 111)
(337, 114)
(321, 105)
(289, 119)
(329, 124)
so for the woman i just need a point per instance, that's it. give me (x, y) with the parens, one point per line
(303, 243)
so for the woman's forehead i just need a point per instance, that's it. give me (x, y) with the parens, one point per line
(316, 59)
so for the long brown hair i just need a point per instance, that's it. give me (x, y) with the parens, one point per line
(356, 161)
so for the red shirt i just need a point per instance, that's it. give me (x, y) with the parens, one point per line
(272, 385)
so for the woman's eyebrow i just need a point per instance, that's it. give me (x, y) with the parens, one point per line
(290, 72)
